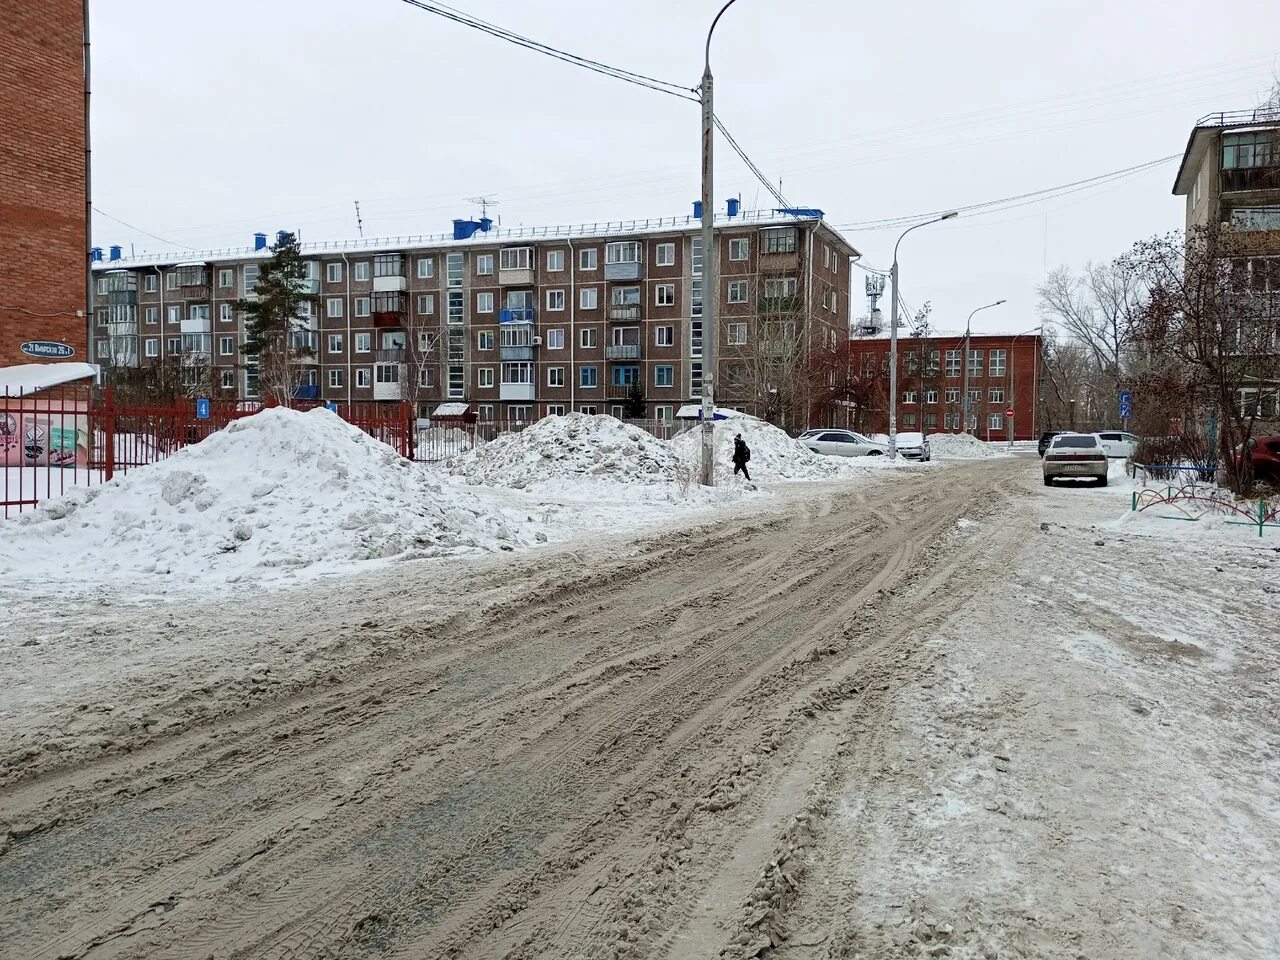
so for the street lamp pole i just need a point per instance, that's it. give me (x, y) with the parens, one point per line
(1013, 380)
(964, 400)
(893, 334)
(710, 335)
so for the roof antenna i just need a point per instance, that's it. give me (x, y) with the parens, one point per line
(359, 222)
(485, 204)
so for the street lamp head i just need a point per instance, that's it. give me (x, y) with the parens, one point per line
(998, 302)
(950, 215)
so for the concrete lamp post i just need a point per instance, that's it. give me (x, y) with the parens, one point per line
(964, 400)
(893, 334)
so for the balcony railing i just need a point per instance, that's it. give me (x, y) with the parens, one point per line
(624, 311)
(515, 391)
(618, 391)
(389, 355)
(627, 270)
(516, 277)
(622, 351)
(1235, 117)
(308, 391)
(517, 315)
(190, 291)
(779, 304)
(519, 352)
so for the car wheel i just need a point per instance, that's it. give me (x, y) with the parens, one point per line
(875, 453)
(1048, 481)
(1102, 481)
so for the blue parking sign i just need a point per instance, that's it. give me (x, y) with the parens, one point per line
(202, 408)
(1126, 404)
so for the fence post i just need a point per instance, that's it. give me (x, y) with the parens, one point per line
(410, 422)
(1262, 515)
(1134, 507)
(109, 434)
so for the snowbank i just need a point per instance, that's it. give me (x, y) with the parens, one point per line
(272, 494)
(961, 446)
(774, 455)
(578, 445)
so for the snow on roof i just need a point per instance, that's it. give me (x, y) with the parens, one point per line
(452, 409)
(30, 377)
(948, 335)
(599, 230)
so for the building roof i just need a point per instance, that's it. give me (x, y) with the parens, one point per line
(27, 378)
(599, 230)
(1206, 130)
(883, 337)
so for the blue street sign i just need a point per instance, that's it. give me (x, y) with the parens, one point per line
(1126, 404)
(331, 406)
(202, 408)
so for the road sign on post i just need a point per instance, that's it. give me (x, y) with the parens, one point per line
(1009, 413)
(202, 408)
(1126, 404)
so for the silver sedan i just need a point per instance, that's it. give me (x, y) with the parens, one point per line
(842, 443)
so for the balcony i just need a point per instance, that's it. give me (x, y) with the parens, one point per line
(194, 291)
(193, 325)
(622, 351)
(516, 277)
(516, 391)
(517, 315)
(624, 311)
(626, 270)
(387, 378)
(788, 260)
(388, 309)
(517, 352)
(618, 391)
(390, 284)
(389, 355)
(310, 391)
(307, 286)
(779, 304)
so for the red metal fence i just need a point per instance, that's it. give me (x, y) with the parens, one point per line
(77, 435)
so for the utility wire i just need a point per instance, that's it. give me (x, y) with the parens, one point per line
(140, 230)
(776, 194)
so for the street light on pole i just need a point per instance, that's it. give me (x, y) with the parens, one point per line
(709, 265)
(1013, 382)
(964, 401)
(893, 335)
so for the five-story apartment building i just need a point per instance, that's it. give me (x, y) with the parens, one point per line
(517, 324)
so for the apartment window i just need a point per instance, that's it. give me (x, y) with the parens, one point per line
(931, 421)
(173, 314)
(149, 283)
(555, 261)
(826, 257)
(484, 265)
(931, 396)
(666, 255)
(515, 258)
(586, 259)
(695, 256)
(103, 347)
(484, 303)
(829, 300)
(997, 361)
(362, 306)
(175, 345)
(588, 298)
(517, 372)
(226, 346)
(780, 287)
(335, 378)
(426, 377)
(555, 338)
(995, 421)
(665, 294)
(908, 396)
(695, 378)
(458, 382)
(484, 340)
(335, 343)
(227, 380)
(426, 304)
(555, 410)
(737, 291)
(953, 364)
(589, 409)
(364, 342)
(484, 378)
(333, 307)
(555, 376)
(426, 268)
(695, 298)
(737, 334)
(951, 421)
(975, 397)
(225, 314)
(587, 377)
(171, 280)
(695, 337)
(152, 347)
(362, 377)
(995, 395)
(664, 336)
(975, 361)
(226, 278)
(424, 341)
(909, 420)
(456, 307)
(664, 375)
(587, 337)
(779, 240)
(519, 414)
(555, 300)
(624, 252)
(453, 267)
(333, 273)
(360, 273)
(739, 248)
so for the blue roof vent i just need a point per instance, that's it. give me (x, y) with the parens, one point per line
(281, 235)
(466, 229)
(115, 251)
(734, 204)
(697, 209)
(486, 224)
(812, 212)
(95, 254)
(259, 241)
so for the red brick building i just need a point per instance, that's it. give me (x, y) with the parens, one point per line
(1004, 375)
(43, 199)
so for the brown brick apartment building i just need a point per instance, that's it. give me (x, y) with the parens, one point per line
(1004, 374)
(43, 238)
(517, 323)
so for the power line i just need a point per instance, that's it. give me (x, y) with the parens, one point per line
(140, 230)
(777, 195)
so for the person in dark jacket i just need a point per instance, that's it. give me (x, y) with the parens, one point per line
(741, 454)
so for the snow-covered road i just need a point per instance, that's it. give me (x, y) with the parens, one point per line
(944, 712)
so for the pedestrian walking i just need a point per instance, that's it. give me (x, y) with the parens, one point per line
(741, 454)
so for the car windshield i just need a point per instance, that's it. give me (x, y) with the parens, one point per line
(1059, 442)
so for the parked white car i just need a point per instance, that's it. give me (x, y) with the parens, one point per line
(913, 446)
(842, 443)
(1117, 443)
(1075, 456)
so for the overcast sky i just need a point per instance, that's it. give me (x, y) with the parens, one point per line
(212, 121)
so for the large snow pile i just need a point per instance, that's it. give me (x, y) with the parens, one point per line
(268, 495)
(574, 446)
(774, 455)
(961, 446)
